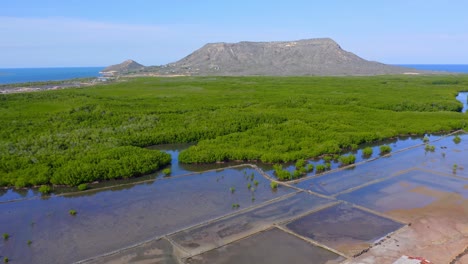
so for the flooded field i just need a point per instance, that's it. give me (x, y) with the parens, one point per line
(349, 230)
(376, 210)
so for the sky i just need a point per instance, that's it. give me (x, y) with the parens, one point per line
(58, 33)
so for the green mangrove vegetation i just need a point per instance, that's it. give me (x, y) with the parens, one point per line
(385, 149)
(45, 189)
(76, 136)
(273, 185)
(83, 187)
(429, 148)
(367, 152)
(166, 171)
(347, 160)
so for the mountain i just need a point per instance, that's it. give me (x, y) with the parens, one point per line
(321, 56)
(127, 66)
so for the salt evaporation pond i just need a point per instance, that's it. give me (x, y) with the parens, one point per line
(231, 214)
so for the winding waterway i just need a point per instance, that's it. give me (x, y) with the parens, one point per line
(463, 98)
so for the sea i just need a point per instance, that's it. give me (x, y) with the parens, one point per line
(455, 68)
(22, 75)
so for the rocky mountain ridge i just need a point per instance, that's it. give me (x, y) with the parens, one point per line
(127, 66)
(321, 56)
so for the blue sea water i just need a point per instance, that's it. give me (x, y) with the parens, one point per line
(21, 75)
(456, 68)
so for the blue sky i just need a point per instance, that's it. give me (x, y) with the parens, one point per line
(58, 33)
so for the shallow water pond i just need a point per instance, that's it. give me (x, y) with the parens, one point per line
(209, 236)
(271, 246)
(216, 214)
(118, 217)
(343, 227)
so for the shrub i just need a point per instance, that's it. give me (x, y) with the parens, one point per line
(249, 185)
(232, 189)
(166, 171)
(282, 175)
(256, 183)
(430, 148)
(327, 158)
(300, 164)
(72, 212)
(347, 160)
(273, 185)
(426, 139)
(6, 260)
(20, 183)
(457, 139)
(29, 242)
(235, 206)
(45, 189)
(6, 236)
(296, 174)
(309, 167)
(83, 187)
(320, 168)
(303, 170)
(367, 152)
(385, 149)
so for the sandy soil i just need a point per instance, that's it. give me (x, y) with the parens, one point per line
(437, 232)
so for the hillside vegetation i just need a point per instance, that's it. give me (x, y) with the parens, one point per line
(82, 135)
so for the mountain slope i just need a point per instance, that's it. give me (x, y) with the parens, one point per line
(125, 67)
(303, 57)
